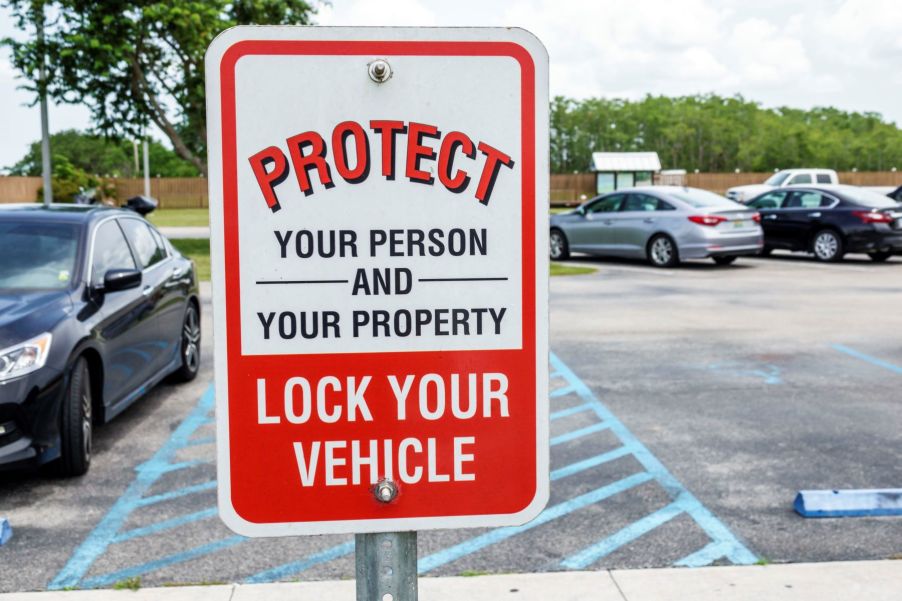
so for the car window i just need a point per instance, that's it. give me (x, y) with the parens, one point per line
(110, 252)
(608, 204)
(803, 200)
(665, 206)
(147, 250)
(771, 200)
(801, 178)
(161, 242)
(639, 202)
(777, 178)
(37, 255)
(824, 178)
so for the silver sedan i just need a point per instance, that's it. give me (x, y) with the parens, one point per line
(663, 224)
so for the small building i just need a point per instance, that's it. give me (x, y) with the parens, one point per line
(617, 170)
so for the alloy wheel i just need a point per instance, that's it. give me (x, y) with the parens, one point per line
(87, 422)
(826, 245)
(191, 340)
(662, 251)
(557, 245)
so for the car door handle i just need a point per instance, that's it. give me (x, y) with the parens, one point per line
(177, 273)
(648, 220)
(148, 290)
(817, 214)
(770, 216)
(608, 221)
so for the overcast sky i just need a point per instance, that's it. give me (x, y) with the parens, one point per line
(800, 53)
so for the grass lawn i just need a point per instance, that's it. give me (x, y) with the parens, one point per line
(558, 269)
(197, 249)
(180, 217)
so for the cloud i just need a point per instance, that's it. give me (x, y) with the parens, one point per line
(376, 12)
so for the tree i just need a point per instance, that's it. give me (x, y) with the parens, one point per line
(105, 157)
(137, 62)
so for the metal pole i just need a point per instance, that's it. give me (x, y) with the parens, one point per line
(42, 91)
(386, 566)
(135, 149)
(146, 169)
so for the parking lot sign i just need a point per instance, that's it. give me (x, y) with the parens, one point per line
(379, 213)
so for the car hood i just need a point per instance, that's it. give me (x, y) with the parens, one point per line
(24, 315)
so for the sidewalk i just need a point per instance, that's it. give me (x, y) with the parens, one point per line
(841, 581)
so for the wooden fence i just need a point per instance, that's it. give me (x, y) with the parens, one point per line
(566, 188)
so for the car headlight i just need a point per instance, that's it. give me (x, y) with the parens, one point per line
(24, 358)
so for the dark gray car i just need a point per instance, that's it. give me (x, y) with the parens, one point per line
(663, 224)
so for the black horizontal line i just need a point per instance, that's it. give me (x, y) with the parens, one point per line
(302, 281)
(461, 279)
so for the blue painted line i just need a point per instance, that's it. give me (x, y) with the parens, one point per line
(105, 532)
(440, 558)
(571, 411)
(872, 360)
(289, 569)
(6, 531)
(201, 441)
(561, 392)
(603, 548)
(159, 470)
(579, 433)
(591, 462)
(738, 553)
(165, 525)
(704, 556)
(174, 494)
(150, 566)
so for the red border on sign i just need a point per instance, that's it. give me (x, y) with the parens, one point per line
(239, 365)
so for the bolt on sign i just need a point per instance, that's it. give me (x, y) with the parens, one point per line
(379, 203)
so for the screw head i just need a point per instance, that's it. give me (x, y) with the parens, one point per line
(385, 491)
(379, 70)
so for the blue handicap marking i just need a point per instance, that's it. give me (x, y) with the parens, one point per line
(722, 545)
(768, 372)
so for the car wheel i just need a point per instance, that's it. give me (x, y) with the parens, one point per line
(190, 345)
(880, 257)
(827, 246)
(724, 260)
(559, 249)
(77, 425)
(766, 251)
(662, 251)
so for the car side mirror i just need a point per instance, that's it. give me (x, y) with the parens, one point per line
(581, 210)
(121, 279)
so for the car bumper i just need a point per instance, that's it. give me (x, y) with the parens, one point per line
(30, 418)
(722, 245)
(875, 241)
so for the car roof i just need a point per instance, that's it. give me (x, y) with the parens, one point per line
(59, 212)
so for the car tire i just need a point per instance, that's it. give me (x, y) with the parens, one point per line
(766, 251)
(559, 248)
(880, 257)
(662, 251)
(77, 422)
(827, 246)
(724, 260)
(189, 345)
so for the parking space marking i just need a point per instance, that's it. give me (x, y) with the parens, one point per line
(723, 544)
(872, 360)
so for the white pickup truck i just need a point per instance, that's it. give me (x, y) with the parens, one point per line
(787, 177)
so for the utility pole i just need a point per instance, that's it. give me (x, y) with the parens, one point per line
(38, 11)
(135, 149)
(146, 169)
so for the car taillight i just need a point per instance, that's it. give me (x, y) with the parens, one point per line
(756, 217)
(710, 220)
(873, 217)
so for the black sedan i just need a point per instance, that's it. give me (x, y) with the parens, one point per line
(96, 307)
(830, 221)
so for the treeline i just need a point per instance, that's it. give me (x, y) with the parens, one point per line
(714, 133)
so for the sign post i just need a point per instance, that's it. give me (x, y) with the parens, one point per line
(379, 223)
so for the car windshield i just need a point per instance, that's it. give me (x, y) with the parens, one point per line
(700, 199)
(37, 255)
(777, 178)
(869, 198)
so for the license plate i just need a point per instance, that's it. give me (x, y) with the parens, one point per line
(738, 224)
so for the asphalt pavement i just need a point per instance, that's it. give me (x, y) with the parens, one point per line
(688, 407)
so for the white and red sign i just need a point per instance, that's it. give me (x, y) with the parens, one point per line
(379, 277)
